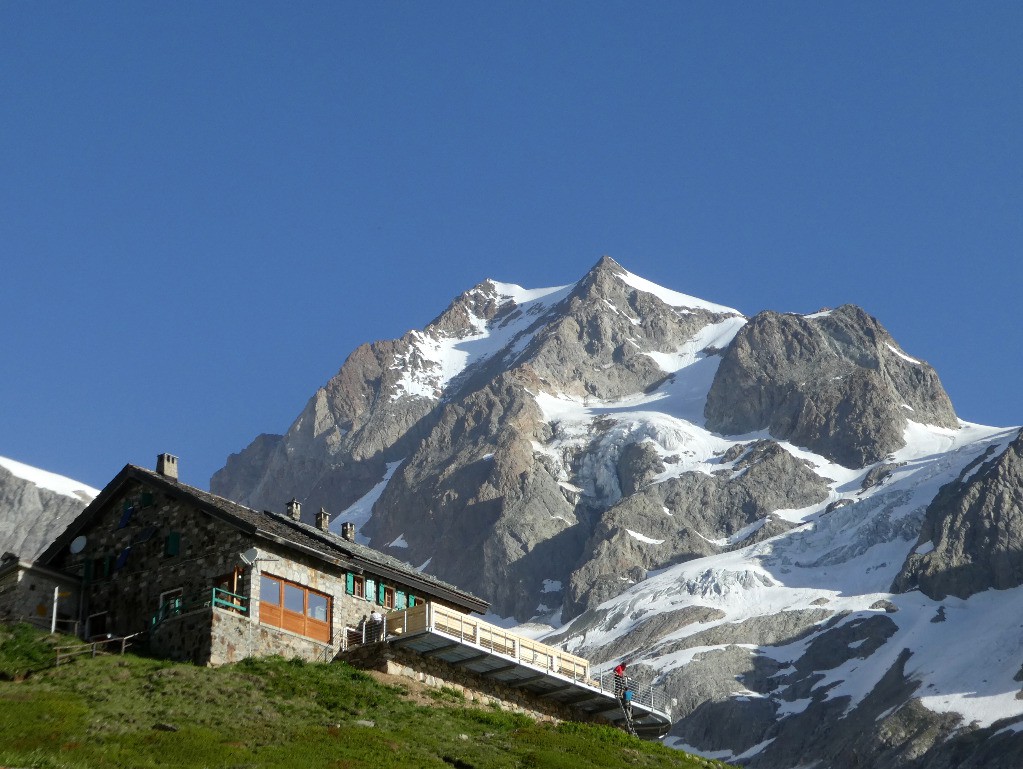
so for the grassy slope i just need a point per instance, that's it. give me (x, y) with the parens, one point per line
(136, 712)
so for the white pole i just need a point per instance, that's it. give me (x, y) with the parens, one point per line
(53, 622)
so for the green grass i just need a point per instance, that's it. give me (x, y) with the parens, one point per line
(133, 711)
(24, 649)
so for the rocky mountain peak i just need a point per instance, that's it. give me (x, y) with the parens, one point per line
(778, 519)
(470, 312)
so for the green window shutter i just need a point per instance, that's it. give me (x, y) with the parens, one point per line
(371, 589)
(146, 499)
(350, 583)
(399, 599)
(411, 600)
(380, 593)
(87, 571)
(108, 561)
(172, 544)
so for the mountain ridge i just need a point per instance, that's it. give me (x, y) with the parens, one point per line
(748, 508)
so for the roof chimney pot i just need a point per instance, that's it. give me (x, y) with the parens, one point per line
(295, 510)
(167, 466)
(348, 531)
(322, 520)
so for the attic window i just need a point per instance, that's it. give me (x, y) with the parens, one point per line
(126, 513)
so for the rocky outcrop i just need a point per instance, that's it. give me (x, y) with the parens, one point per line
(31, 517)
(836, 383)
(972, 536)
(691, 516)
(474, 491)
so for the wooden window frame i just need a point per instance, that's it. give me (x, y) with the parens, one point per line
(301, 623)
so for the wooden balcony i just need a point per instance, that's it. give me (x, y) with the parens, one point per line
(492, 652)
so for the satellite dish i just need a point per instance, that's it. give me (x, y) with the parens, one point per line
(77, 545)
(249, 556)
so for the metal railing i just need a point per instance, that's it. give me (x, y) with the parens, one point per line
(643, 695)
(215, 597)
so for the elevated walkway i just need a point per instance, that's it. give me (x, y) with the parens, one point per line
(465, 642)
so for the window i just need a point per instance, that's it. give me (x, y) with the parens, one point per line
(170, 603)
(122, 559)
(127, 512)
(101, 566)
(294, 598)
(355, 585)
(269, 590)
(170, 595)
(318, 606)
(295, 608)
(387, 596)
(227, 591)
(172, 544)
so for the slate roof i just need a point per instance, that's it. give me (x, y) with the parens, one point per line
(277, 529)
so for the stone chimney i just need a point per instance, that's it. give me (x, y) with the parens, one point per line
(295, 510)
(348, 531)
(322, 520)
(167, 466)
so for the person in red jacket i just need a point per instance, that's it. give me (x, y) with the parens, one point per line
(620, 680)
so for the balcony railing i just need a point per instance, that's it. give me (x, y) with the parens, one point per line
(466, 629)
(434, 617)
(215, 597)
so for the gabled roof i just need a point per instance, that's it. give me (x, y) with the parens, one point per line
(280, 530)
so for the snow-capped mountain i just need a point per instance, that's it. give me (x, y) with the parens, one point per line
(36, 506)
(779, 518)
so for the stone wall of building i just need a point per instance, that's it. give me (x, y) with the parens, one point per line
(184, 638)
(131, 558)
(233, 637)
(488, 692)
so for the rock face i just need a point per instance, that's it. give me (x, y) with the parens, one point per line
(745, 507)
(835, 382)
(32, 516)
(972, 536)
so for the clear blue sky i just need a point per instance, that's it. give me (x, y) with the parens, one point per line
(204, 207)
